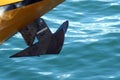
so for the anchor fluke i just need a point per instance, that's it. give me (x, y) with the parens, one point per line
(48, 42)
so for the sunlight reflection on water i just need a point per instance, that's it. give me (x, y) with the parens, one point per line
(91, 50)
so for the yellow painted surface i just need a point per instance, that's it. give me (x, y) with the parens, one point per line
(13, 20)
(5, 2)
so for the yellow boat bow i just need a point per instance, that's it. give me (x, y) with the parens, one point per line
(13, 20)
(5, 2)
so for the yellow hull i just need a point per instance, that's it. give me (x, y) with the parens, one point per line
(13, 20)
(5, 2)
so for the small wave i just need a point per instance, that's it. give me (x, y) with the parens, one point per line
(45, 73)
(2, 49)
(64, 76)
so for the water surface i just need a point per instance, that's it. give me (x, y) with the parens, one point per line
(91, 50)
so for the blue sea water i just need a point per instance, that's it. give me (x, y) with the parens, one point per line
(91, 50)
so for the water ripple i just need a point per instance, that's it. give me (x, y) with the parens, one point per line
(45, 73)
(91, 50)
